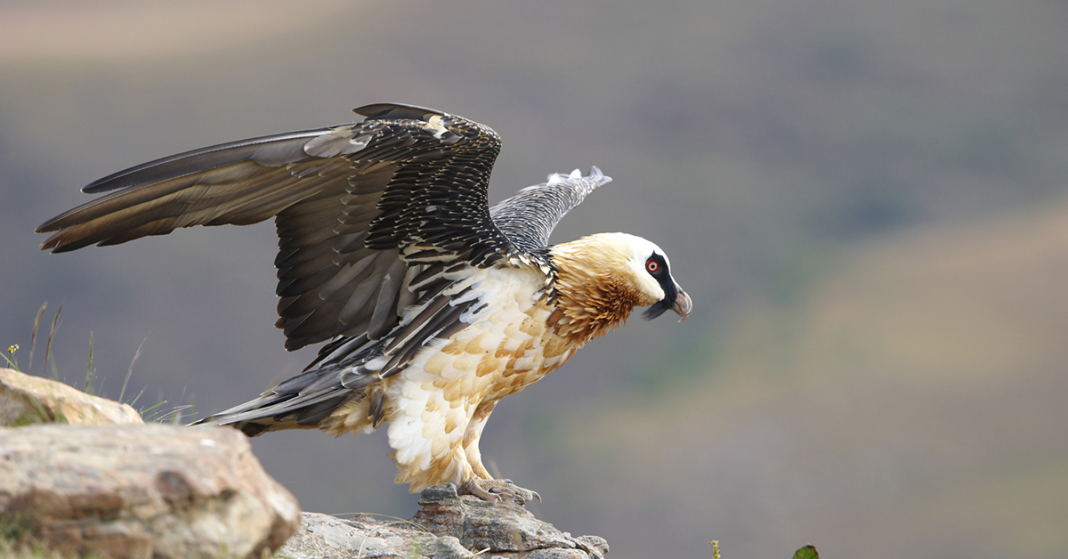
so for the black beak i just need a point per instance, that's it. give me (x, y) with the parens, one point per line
(675, 299)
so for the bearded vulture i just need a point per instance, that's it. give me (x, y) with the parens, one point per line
(432, 305)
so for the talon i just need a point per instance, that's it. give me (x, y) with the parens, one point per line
(495, 490)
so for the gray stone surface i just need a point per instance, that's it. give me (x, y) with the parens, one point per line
(130, 490)
(445, 527)
(142, 491)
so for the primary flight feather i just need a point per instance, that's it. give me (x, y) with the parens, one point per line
(432, 304)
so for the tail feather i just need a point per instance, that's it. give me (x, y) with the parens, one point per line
(305, 400)
(287, 409)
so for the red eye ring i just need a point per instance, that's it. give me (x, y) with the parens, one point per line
(652, 266)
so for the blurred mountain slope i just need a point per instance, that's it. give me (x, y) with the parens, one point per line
(910, 404)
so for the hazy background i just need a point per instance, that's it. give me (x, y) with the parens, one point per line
(867, 201)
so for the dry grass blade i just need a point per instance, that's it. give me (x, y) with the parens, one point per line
(397, 521)
(129, 371)
(48, 347)
(33, 335)
(174, 416)
(89, 371)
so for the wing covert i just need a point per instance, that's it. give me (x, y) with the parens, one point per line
(528, 218)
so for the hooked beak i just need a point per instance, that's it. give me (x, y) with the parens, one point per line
(683, 305)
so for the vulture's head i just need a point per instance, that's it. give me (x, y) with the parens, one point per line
(604, 276)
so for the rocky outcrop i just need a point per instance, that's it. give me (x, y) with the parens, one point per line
(141, 491)
(26, 400)
(446, 527)
(130, 490)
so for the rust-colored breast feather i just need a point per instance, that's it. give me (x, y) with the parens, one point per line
(594, 292)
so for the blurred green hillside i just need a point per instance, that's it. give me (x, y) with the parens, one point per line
(866, 201)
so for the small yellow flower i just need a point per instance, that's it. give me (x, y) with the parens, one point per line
(12, 348)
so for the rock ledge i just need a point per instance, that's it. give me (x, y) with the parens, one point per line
(446, 527)
(27, 400)
(142, 491)
(83, 474)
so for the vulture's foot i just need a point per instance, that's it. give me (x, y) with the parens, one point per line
(495, 490)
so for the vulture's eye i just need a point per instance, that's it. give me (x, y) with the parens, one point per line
(652, 266)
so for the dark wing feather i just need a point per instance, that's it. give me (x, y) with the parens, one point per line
(237, 183)
(373, 218)
(355, 206)
(270, 151)
(528, 218)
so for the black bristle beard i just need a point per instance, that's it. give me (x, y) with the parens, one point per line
(660, 307)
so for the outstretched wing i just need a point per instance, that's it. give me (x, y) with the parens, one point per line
(355, 206)
(528, 218)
